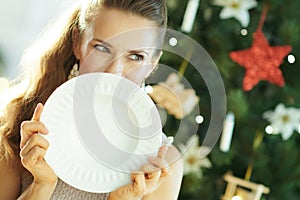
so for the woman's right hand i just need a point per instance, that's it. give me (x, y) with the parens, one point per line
(145, 182)
(33, 149)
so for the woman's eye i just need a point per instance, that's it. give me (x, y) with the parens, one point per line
(102, 48)
(136, 57)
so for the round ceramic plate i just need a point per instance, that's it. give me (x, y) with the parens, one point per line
(101, 127)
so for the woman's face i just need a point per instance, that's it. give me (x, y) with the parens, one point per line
(120, 43)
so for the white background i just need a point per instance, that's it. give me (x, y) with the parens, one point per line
(21, 22)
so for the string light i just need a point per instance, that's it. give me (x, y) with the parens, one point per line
(173, 41)
(236, 198)
(244, 32)
(269, 129)
(291, 58)
(148, 89)
(199, 119)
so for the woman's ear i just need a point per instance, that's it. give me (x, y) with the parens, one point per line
(76, 42)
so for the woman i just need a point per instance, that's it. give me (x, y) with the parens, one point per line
(92, 40)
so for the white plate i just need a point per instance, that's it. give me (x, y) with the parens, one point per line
(101, 128)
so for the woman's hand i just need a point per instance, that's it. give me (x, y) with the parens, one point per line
(145, 182)
(33, 149)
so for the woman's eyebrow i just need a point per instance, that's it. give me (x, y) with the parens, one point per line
(137, 51)
(102, 41)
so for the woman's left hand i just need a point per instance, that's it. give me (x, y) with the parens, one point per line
(146, 181)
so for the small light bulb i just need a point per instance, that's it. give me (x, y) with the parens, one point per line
(269, 129)
(236, 198)
(148, 89)
(299, 129)
(291, 58)
(173, 41)
(199, 119)
(244, 32)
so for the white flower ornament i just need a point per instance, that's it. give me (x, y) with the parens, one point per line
(239, 9)
(283, 120)
(192, 160)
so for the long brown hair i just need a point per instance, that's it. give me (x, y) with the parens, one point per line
(50, 67)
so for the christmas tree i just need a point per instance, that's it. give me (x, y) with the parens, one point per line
(255, 46)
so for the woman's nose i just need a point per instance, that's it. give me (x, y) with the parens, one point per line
(115, 67)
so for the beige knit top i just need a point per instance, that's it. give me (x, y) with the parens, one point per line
(64, 191)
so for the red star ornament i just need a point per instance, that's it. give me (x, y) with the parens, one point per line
(261, 61)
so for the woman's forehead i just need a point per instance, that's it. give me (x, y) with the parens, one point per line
(120, 28)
